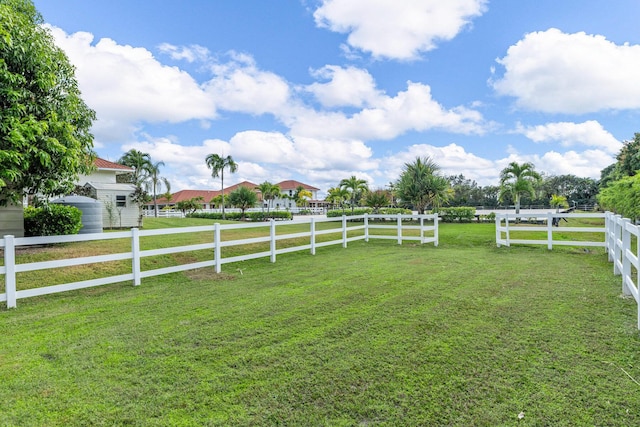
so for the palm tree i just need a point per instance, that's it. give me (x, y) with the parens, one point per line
(377, 199)
(355, 187)
(269, 192)
(218, 164)
(517, 180)
(301, 195)
(337, 195)
(420, 185)
(155, 181)
(140, 162)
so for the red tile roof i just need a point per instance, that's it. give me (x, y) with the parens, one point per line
(106, 164)
(206, 195)
(293, 184)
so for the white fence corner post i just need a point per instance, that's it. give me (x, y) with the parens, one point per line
(344, 231)
(399, 229)
(626, 262)
(498, 232)
(436, 218)
(421, 229)
(135, 255)
(617, 243)
(217, 247)
(272, 227)
(10, 270)
(549, 230)
(366, 227)
(312, 237)
(506, 230)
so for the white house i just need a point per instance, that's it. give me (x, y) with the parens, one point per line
(288, 189)
(118, 210)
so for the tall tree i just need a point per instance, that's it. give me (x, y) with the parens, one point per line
(218, 164)
(378, 199)
(45, 139)
(337, 195)
(141, 164)
(356, 187)
(420, 185)
(517, 180)
(155, 182)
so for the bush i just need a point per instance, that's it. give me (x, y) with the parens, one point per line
(460, 214)
(339, 212)
(395, 211)
(237, 216)
(52, 220)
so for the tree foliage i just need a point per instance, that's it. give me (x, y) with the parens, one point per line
(421, 186)
(377, 199)
(356, 188)
(243, 198)
(517, 180)
(622, 197)
(45, 139)
(218, 164)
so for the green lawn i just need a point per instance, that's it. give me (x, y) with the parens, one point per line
(465, 334)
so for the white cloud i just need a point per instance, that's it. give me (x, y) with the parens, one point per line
(351, 87)
(413, 109)
(555, 72)
(240, 86)
(588, 163)
(590, 133)
(126, 84)
(190, 54)
(397, 30)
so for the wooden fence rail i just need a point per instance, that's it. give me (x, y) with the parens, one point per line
(10, 269)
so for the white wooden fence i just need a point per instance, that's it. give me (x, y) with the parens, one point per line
(9, 244)
(623, 249)
(533, 222)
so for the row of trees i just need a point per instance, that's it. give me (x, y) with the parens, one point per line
(621, 181)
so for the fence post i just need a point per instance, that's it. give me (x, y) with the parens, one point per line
(273, 239)
(366, 227)
(421, 229)
(216, 248)
(10, 270)
(436, 218)
(399, 229)
(135, 255)
(607, 235)
(498, 233)
(506, 230)
(549, 230)
(313, 236)
(616, 247)
(344, 231)
(626, 263)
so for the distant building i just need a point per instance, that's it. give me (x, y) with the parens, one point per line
(118, 209)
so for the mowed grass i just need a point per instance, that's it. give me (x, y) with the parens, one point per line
(465, 334)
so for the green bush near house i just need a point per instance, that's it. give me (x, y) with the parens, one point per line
(361, 211)
(52, 220)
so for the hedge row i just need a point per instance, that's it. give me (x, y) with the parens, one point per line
(460, 214)
(52, 220)
(361, 211)
(237, 216)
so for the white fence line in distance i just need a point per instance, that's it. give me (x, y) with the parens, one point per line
(427, 233)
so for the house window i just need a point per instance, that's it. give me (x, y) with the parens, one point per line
(121, 201)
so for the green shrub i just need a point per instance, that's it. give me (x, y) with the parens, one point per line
(237, 216)
(395, 211)
(460, 214)
(52, 220)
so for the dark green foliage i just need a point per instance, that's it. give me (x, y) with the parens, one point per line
(237, 216)
(243, 198)
(622, 197)
(459, 214)
(52, 220)
(361, 211)
(44, 124)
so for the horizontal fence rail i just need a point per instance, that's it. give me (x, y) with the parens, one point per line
(544, 222)
(348, 229)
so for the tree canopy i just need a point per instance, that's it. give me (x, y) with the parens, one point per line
(518, 179)
(218, 164)
(45, 139)
(420, 185)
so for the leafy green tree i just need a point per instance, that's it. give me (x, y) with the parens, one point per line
(622, 197)
(243, 198)
(301, 196)
(337, 196)
(517, 180)
(356, 187)
(45, 139)
(420, 185)
(558, 202)
(190, 206)
(218, 164)
(466, 192)
(377, 199)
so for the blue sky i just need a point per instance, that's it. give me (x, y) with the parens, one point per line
(319, 90)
